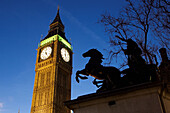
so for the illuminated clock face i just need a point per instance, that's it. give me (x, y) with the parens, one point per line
(46, 52)
(65, 55)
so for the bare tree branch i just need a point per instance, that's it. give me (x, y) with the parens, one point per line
(145, 21)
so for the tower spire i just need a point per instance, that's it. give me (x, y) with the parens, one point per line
(57, 21)
(58, 8)
(56, 27)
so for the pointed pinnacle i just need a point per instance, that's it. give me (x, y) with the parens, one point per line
(58, 7)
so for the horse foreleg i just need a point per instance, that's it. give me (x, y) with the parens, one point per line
(83, 72)
(97, 82)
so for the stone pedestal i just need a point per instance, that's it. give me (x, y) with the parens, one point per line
(142, 98)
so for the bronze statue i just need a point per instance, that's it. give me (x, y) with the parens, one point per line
(138, 71)
(110, 76)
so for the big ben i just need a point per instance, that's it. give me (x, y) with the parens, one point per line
(53, 69)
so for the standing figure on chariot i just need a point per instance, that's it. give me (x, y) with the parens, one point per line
(138, 71)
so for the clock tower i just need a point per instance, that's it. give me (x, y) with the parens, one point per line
(53, 71)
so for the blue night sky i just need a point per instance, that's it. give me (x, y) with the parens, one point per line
(21, 24)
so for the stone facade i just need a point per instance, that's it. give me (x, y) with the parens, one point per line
(143, 98)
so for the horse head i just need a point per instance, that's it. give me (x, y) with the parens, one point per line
(93, 53)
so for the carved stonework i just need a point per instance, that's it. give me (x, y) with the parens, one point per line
(44, 63)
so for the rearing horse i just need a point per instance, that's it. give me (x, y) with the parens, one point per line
(110, 76)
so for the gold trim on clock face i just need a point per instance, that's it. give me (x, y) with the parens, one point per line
(65, 55)
(46, 52)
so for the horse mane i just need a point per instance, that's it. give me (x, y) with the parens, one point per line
(96, 53)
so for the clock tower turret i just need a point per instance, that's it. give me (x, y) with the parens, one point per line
(53, 71)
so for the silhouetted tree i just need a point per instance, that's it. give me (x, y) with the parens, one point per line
(144, 21)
